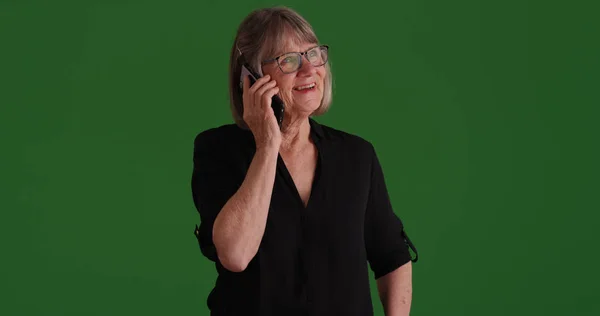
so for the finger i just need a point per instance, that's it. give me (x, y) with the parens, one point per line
(259, 83)
(266, 87)
(268, 95)
(258, 93)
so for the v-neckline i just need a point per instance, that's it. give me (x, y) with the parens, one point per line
(287, 176)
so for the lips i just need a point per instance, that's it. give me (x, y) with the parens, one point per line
(305, 87)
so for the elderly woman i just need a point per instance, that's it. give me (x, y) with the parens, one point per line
(293, 214)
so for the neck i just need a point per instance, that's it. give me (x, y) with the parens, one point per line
(295, 134)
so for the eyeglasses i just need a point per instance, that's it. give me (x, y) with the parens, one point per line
(291, 62)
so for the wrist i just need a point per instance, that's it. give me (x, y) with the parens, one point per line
(268, 149)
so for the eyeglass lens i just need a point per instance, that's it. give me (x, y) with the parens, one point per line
(291, 62)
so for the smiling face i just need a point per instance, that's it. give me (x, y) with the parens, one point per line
(302, 90)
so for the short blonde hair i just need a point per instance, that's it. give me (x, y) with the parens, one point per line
(260, 36)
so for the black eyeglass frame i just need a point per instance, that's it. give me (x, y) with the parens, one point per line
(276, 59)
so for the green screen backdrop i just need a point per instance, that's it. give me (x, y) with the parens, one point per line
(484, 115)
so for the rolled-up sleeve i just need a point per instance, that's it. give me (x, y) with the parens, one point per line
(384, 231)
(214, 181)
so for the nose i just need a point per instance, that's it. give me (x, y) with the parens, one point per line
(306, 68)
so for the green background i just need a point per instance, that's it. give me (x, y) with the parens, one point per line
(484, 114)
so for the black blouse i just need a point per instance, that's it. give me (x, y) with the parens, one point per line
(312, 260)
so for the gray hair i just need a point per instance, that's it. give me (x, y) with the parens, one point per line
(260, 36)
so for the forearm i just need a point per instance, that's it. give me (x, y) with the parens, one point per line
(395, 291)
(240, 225)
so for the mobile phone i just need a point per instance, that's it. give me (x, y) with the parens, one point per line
(276, 102)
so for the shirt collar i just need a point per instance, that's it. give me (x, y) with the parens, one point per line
(316, 130)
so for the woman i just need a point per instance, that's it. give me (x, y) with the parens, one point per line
(294, 215)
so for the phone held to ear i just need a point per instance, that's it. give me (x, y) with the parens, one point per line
(276, 102)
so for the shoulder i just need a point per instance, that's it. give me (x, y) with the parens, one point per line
(220, 137)
(226, 144)
(344, 140)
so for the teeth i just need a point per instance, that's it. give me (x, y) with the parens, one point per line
(308, 86)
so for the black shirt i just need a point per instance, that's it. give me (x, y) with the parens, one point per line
(312, 260)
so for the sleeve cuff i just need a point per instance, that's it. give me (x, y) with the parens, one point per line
(391, 262)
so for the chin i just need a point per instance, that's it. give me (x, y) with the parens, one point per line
(306, 103)
(308, 108)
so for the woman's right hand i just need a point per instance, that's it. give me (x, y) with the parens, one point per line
(259, 115)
